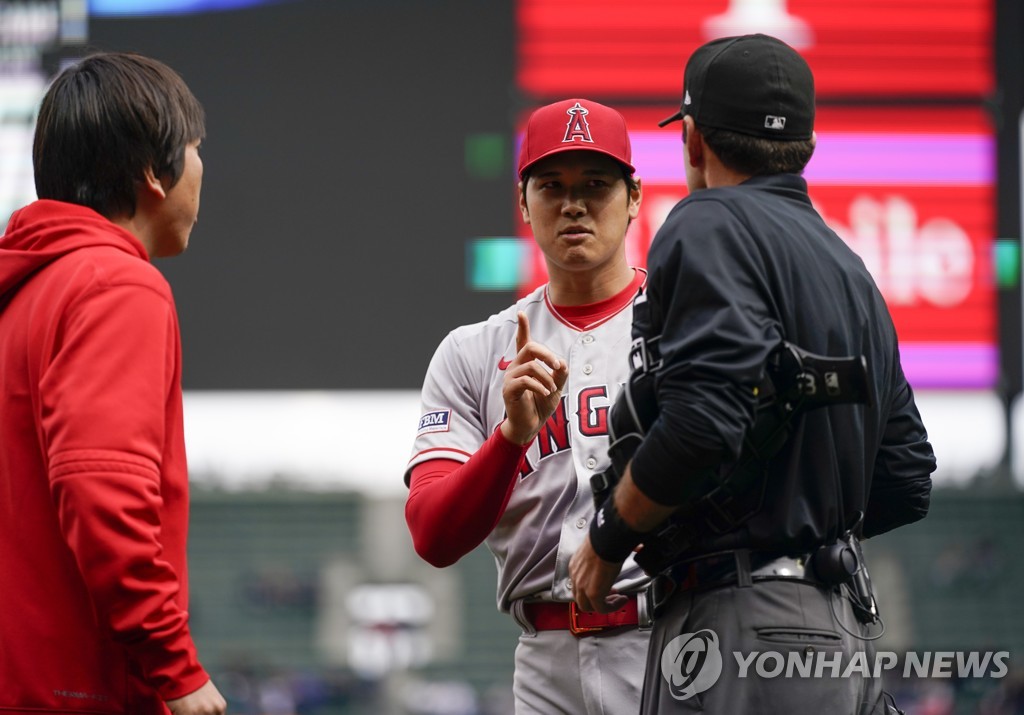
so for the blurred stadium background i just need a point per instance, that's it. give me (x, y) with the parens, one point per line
(358, 203)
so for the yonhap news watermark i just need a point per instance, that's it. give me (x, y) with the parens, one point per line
(693, 662)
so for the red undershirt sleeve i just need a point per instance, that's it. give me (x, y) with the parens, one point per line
(453, 506)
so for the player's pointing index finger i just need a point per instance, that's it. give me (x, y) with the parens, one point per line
(522, 331)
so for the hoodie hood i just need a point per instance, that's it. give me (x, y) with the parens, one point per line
(45, 230)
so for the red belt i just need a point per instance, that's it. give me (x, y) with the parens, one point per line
(556, 616)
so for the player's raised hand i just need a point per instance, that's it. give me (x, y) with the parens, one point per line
(533, 386)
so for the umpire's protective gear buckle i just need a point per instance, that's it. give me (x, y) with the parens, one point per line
(804, 381)
(644, 355)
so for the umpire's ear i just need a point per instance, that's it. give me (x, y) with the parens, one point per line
(693, 141)
(522, 201)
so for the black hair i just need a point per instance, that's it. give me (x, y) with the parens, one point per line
(103, 122)
(627, 176)
(757, 156)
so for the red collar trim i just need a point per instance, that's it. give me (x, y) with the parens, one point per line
(591, 315)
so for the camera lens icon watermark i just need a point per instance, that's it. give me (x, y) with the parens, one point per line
(691, 663)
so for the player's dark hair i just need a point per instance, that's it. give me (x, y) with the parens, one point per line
(757, 156)
(631, 186)
(103, 122)
(627, 176)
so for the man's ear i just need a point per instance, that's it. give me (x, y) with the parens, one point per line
(635, 197)
(152, 184)
(694, 143)
(522, 202)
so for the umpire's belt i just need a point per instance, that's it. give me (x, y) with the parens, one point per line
(558, 615)
(741, 567)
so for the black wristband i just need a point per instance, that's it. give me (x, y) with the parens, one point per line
(610, 536)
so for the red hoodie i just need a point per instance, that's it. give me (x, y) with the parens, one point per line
(93, 482)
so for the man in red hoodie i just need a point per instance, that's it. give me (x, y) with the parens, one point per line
(93, 481)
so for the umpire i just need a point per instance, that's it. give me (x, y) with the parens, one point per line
(741, 265)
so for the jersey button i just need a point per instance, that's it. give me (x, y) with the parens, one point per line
(591, 463)
(587, 369)
(588, 339)
(581, 522)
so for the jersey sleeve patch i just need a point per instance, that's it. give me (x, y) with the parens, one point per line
(436, 421)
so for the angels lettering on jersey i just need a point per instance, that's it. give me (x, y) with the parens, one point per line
(591, 408)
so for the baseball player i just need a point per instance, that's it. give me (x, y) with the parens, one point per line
(514, 421)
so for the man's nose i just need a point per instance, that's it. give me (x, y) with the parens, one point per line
(574, 205)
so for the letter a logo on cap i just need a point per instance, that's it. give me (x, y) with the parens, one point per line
(577, 128)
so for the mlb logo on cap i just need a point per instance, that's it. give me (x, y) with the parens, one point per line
(575, 124)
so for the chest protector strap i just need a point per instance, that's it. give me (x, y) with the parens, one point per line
(795, 381)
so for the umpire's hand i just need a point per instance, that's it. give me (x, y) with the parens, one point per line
(592, 579)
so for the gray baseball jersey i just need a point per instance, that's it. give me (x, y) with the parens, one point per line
(548, 515)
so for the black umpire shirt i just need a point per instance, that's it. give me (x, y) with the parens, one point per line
(732, 271)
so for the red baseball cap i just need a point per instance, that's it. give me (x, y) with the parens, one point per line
(575, 124)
